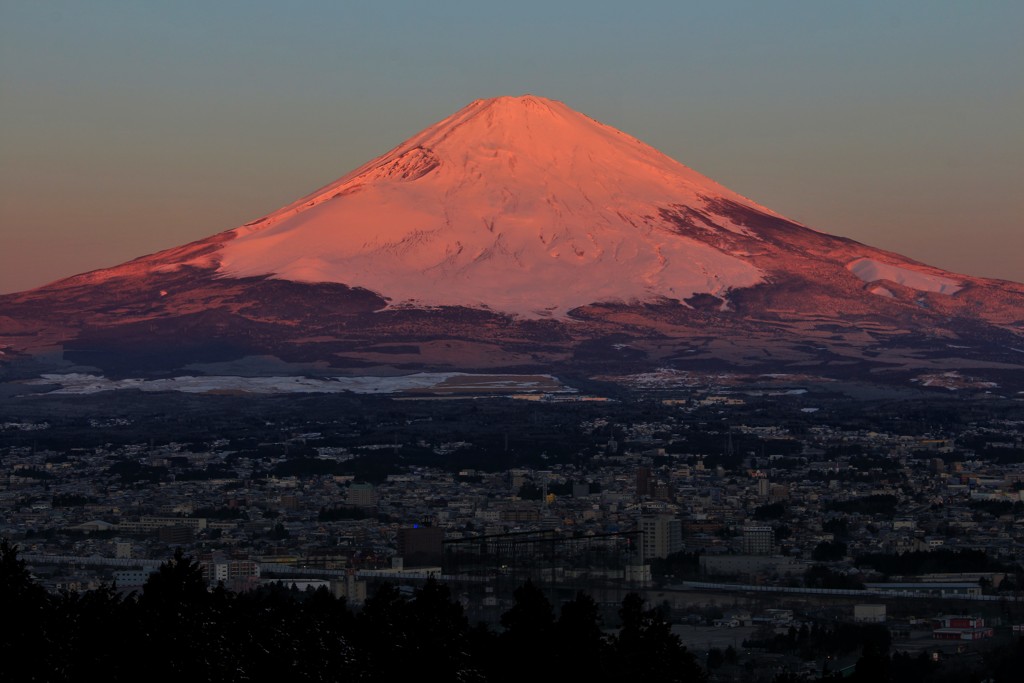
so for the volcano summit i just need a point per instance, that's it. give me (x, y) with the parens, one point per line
(520, 205)
(519, 234)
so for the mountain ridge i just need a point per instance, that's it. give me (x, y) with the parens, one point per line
(523, 233)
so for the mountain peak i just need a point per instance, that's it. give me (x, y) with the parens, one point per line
(518, 204)
(522, 208)
(524, 100)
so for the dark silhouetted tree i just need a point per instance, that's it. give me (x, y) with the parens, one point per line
(439, 632)
(528, 630)
(578, 631)
(647, 649)
(27, 610)
(178, 623)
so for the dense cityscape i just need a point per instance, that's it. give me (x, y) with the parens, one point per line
(744, 515)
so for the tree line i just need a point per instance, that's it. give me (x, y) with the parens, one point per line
(178, 628)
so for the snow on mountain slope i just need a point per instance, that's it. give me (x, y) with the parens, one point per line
(516, 234)
(870, 270)
(518, 204)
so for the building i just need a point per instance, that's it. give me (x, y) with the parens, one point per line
(350, 588)
(662, 535)
(148, 524)
(421, 546)
(644, 481)
(131, 578)
(229, 571)
(869, 614)
(957, 627)
(940, 588)
(362, 495)
(176, 535)
(749, 566)
(758, 540)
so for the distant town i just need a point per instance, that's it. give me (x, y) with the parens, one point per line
(750, 518)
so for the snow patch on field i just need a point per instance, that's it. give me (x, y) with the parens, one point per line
(870, 270)
(953, 381)
(438, 382)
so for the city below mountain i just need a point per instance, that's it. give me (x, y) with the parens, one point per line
(518, 236)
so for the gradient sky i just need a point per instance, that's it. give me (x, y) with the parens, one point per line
(128, 127)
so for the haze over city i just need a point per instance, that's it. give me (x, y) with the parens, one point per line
(131, 128)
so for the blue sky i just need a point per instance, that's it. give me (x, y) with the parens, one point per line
(128, 127)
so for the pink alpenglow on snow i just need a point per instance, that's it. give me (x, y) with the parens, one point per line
(520, 234)
(870, 270)
(517, 204)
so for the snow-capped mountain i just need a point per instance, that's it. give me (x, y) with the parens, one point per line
(521, 205)
(520, 233)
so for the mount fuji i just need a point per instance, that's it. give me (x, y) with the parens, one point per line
(518, 234)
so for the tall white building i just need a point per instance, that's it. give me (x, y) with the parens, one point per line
(662, 535)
